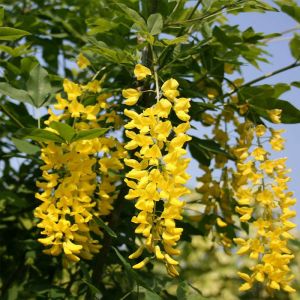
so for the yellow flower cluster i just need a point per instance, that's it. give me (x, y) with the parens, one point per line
(158, 171)
(263, 199)
(214, 183)
(71, 179)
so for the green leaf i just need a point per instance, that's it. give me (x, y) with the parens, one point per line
(28, 63)
(24, 146)
(182, 291)
(17, 51)
(65, 131)
(21, 95)
(151, 296)
(133, 274)
(178, 40)
(108, 230)
(92, 288)
(290, 114)
(114, 55)
(11, 34)
(207, 4)
(295, 46)
(40, 135)
(38, 85)
(134, 16)
(201, 155)
(99, 25)
(155, 24)
(296, 84)
(1, 15)
(211, 146)
(89, 134)
(291, 8)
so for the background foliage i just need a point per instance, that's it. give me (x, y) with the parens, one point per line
(194, 43)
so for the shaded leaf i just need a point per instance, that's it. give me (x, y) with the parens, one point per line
(89, 134)
(24, 146)
(155, 24)
(11, 34)
(133, 16)
(40, 135)
(133, 274)
(16, 94)
(93, 289)
(65, 131)
(38, 85)
(1, 15)
(151, 296)
(102, 224)
(290, 114)
(182, 291)
(211, 146)
(178, 40)
(295, 46)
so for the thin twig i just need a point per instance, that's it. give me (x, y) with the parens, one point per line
(268, 75)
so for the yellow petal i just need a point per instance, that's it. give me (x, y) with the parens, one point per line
(137, 253)
(141, 264)
(170, 260)
(158, 253)
(141, 72)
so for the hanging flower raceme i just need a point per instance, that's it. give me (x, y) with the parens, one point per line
(214, 184)
(158, 171)
(263, 199)
(73, 190)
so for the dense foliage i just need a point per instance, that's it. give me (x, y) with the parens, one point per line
(101, 105)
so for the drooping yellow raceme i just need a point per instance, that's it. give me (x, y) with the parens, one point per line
(214, 184)
(73, 191)
(158, 175)
(263, 199)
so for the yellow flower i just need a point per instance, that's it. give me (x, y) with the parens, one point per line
(141, 72)
(221, 223)
(169, 89)
(76, 108)
(207, 118)
(93, 86)
(265, 197)
(259, 153)
(72, 89)
(275, 115)
(157, 172)
(229, 68)
(260, 130)
(131, 95)
(82, 61)
(212, 93)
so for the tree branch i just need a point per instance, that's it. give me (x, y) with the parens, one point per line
(267, 75)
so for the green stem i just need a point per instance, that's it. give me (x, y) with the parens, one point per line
(229, 7)
(11, 116)
(181, 32)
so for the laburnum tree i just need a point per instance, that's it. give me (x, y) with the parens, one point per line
(103, 106)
